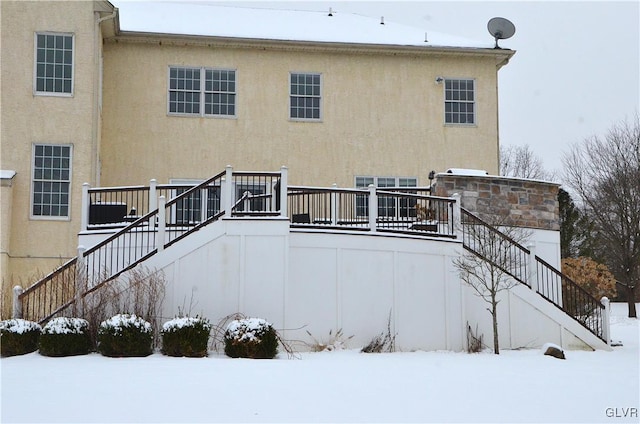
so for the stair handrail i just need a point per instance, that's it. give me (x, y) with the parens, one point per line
(594, 325)
(149, 217)
(569, 305)
(466, 215)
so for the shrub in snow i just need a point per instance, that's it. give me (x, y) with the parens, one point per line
(250, 338)
(125, 335)
(336, 341)
(384, 342)
(18, 336)
(186, 336)
(65, 337)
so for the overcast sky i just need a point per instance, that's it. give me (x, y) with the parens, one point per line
(576, 71)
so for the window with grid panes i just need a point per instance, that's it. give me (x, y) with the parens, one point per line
(407, 206)
(188, 210)
(388, 206)
(254, 189)
(54, 63)
(202, 91)
(459, 106)
(305, 97)
(51, 180)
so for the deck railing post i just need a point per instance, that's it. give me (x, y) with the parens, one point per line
(153, 202)
(533, 268)
(84, 213)
(17, 303)
(246, 203)
(373, 208)
(223, 195)
(606, 329)
(82, 279)
(456, 220)
(227, 192)
(203, 204)
(334, 205)
(284, 181)
(162, 223)
(153, 196)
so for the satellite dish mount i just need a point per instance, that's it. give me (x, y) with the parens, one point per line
(501, 29)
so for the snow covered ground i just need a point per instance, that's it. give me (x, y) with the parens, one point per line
(340, 386)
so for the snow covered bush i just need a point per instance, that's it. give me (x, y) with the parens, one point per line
(250, 338)
(186, 336)
(18, 336)
(125, 335)
(65, 337)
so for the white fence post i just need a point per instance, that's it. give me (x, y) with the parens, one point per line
(533, 269)
(162, 223)
(17, 303)
(606, 329)
(456, 220)
(227, 195)
(334, 205)
(284, 182)
(373, 208)
(84, 214)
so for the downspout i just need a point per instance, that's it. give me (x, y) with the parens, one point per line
(97, 100)
(106, 18)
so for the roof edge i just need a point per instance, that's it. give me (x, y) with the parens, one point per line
(503, 55)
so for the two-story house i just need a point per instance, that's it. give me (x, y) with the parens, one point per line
(118, 96)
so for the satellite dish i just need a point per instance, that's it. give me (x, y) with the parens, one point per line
(501, 29)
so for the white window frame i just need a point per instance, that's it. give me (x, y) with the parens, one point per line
(319, 97)
(203, 199)
(36, 92)
(397, 207)
(458, 101)
(33, 181)
(240, 187)
(202, 92)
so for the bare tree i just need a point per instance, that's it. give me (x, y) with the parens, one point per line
(521, 162)
(605, 174)
(490, 268)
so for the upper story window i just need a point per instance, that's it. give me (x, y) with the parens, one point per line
(305, 97)
(459, 106)
(51, 180)
(202, 91)
(54, 63)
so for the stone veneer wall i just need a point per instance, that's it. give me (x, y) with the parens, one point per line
(524, 203)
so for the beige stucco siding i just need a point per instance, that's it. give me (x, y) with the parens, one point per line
(38, 244)
(382, 115)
